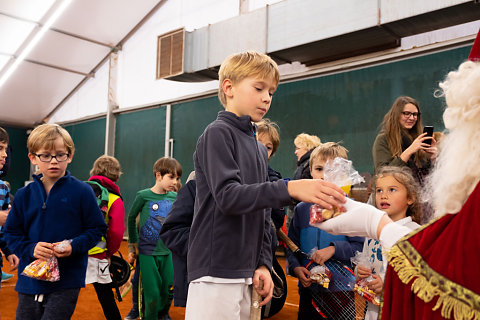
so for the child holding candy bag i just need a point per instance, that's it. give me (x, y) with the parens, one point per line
(396, 193)
(53, 208)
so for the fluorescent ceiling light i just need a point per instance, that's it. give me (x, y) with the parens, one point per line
(61, 8)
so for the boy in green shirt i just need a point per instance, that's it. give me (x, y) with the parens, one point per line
(155, 259)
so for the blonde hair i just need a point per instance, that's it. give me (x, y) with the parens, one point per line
(307, 141)
(393, 129)
(404, 176)
(44, 136)
(326, 151)
(243, 65)
(271, 129)
(107, 166)
(456, 170)
(167, 165)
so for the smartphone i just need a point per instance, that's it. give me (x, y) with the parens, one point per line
(429, 131)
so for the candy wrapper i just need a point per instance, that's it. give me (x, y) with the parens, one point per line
(321, 275)
(341, 172)
(361, 285)
(46, 270)
(43, 270)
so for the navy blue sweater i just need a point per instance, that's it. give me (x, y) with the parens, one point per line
(174, 234)
(70, 211)
(230, 235)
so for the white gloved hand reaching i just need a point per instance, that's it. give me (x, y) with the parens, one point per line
(360, 220)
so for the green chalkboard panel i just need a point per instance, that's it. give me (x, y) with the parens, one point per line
(139, 142)
(19, 171)
(188, 123)
(89, 139)
(349, 106)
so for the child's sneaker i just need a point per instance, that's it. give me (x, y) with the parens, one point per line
(6, 276)
(132, 315)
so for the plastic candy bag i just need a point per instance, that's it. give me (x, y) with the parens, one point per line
(321, 275)
(46, 270)
(341, 172)
(361, 285)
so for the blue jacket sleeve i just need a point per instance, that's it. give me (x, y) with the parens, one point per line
(344, 250)
(176, 229)
(15, 235)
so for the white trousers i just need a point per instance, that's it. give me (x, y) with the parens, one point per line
(208, 300)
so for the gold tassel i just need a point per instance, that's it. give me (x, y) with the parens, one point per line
(428, 288)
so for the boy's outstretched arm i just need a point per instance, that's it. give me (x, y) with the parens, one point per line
(318, 191)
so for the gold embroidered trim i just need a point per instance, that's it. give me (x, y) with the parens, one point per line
(427, 283)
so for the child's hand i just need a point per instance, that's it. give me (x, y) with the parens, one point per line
(363, 272)
(43, 250)
(131, 257)
(64, 251)
(317, 191)
(3, 216)
(262, 273)
(322, 255)
(376, 284)
(303, 275)
(13, 260)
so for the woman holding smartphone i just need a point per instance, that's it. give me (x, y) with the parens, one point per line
(402, 142)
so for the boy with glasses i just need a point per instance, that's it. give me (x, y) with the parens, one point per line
(54, 207)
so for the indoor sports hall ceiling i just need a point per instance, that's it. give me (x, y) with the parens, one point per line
(70, 50)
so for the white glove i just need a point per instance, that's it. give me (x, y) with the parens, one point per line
(360, 220)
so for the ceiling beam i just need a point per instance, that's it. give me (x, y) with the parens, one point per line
(73, 35)
(90, 75)
(119, 45)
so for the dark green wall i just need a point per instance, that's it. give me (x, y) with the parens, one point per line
(89, 139)
(349, 106)
(20, 165)
(344, 107)
(188, 122)
(139, 142)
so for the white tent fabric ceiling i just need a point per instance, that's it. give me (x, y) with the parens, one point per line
(81, 38)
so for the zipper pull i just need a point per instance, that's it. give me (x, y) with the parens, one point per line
(44, 206)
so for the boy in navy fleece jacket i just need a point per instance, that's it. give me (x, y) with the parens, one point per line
(229, 242)
(54, 207)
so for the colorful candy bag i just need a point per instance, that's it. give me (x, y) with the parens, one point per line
(46, 270)
(321, 275)
(361, 285)
(341, 172)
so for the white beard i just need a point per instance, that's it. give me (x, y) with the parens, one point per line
(457, 169)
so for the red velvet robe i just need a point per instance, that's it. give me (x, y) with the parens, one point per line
(446, 257)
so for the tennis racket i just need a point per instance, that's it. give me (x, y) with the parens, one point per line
(339, 300)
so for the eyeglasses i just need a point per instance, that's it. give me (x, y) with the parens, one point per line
(61, 157)
(407, 114)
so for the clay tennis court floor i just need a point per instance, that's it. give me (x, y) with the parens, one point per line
(89, 308)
